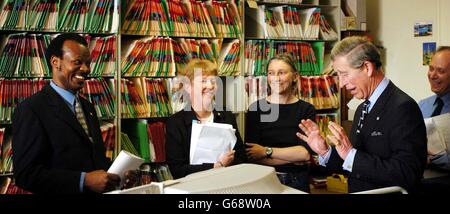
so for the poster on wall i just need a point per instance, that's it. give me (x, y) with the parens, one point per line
(429, 48)
(423, 28)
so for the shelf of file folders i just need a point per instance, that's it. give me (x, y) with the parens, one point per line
(290, 22)
(157, 56)
(321, 91)
(7, 185)
(183, 18)
(144, 138)
(307, 55)
(182, 30)
(5, 152)
(145, 105)
(97, 16)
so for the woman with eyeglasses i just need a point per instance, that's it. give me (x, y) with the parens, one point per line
(201, 84)
(272, 124)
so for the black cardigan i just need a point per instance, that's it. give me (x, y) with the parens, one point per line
(178, 141)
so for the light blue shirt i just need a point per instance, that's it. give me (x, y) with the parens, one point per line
(69, 98)
(348, 162)
(427, 107)
(67, 95)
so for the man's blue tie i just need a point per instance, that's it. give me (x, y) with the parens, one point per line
(438, 109)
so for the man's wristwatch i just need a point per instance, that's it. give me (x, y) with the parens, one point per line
(269, 152)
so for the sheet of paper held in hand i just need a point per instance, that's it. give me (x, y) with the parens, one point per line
(209, 141)
(438, 134)
(125, 161)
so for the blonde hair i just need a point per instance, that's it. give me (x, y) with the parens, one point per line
(207, 67)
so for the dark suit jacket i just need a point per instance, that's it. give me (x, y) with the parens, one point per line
(392, 145)
(50, 147)
(178, 142)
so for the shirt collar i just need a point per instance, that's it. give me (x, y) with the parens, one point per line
(378, 91)
(67, 95)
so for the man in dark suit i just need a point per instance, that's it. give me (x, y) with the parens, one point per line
(57, 144)
(387, 145)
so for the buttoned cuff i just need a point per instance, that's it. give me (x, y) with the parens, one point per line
(348, 162)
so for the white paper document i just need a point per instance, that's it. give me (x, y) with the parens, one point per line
(438, 134)
(209, 141)
(125, 161)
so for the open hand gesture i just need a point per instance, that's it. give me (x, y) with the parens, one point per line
(312, 137)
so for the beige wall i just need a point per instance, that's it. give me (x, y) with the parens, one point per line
(391, 23)
(444, 20)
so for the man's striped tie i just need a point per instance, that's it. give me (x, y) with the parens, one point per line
(365, 111)
(80, 116)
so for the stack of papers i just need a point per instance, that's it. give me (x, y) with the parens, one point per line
(209, 141)
(438, 134)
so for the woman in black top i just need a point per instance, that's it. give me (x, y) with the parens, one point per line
(201, 88)
(272, 124)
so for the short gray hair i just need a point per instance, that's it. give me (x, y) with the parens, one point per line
(357, 49)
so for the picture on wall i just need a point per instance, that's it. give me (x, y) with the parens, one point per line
(424, 28)
(429, 48)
